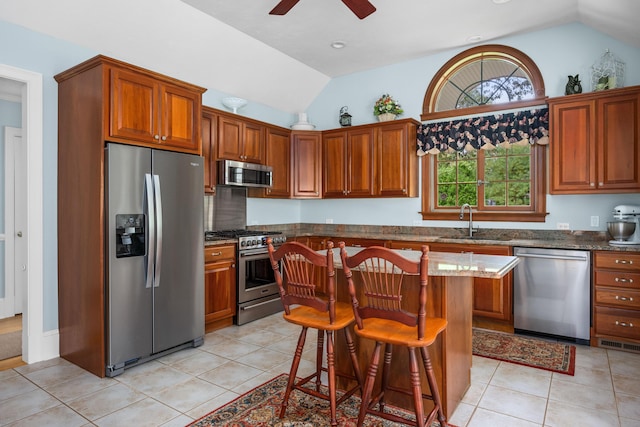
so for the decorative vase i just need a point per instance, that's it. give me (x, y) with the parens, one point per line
(385, 117)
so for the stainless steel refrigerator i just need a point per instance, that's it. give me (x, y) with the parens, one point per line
(155, 254)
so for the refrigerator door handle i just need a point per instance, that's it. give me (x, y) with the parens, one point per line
(158, 259)
(151, 234)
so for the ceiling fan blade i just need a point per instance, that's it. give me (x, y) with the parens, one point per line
(283, 7)
(362, 8)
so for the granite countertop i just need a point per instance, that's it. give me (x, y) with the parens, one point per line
(451, 264)
(556, 239)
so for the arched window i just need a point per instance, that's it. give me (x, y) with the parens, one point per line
(502, 182)
(483, 79)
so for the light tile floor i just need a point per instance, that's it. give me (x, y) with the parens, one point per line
(183, 386)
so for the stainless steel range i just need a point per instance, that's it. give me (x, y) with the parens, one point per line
(257, 289)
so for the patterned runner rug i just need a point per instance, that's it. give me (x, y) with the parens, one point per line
(534, 352)
(260, 408)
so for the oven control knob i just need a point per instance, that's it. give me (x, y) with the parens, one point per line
(243, 243)
(253, 242)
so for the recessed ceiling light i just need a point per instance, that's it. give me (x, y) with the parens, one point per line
(473, 39)
(338, 45)
(501, 1)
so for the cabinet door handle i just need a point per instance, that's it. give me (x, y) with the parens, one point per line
(624, 324)
(619, 298)
(624, 261)
(216, 253)
(156, 137)
(623, 280)
(164, 138)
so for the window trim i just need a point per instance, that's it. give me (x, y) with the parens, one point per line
(537, 214)
(538, 211)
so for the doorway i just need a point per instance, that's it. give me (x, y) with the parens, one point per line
(36, 345)
(12, 224)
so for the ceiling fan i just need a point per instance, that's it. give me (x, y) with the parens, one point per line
(362, 8)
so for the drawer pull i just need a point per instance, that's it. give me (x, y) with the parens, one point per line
(623, 280)
(216, 253)
(624, 324)
(619, 298)
(624, 261)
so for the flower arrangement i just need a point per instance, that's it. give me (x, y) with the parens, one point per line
(386, 104)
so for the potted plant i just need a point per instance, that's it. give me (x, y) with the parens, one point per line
(386, 108)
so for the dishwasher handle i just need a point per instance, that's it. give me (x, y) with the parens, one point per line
(562, 257)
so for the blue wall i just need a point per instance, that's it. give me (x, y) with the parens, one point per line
(560, 51)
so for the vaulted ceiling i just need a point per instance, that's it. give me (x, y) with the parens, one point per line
(236, 47)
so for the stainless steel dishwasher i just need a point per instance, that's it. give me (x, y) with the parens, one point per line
(552, 293)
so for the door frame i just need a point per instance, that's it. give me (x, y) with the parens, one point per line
(36, 344)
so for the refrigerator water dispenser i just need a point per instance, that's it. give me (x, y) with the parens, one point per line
(130, 235)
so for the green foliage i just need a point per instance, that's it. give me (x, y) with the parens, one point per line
(506, 175)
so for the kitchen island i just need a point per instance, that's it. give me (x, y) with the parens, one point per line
(450, 296)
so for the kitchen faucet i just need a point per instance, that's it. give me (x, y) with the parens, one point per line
(466, 205)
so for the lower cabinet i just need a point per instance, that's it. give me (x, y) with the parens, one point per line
(616, 283)
(492, 298)
(219, 286)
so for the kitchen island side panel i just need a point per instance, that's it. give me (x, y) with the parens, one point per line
(450, 297)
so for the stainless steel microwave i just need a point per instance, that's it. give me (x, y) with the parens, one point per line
(231, 172)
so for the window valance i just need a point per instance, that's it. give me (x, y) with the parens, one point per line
(485, 133)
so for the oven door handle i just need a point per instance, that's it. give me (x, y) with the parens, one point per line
(254, 255)
(248, 307)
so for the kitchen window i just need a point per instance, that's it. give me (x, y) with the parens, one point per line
(501, 177)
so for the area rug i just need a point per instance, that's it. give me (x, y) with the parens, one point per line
(534, 352)
(10, 345)
(260, 408)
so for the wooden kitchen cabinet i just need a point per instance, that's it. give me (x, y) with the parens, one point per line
(348, 163)
(209, 135)
(492, 298)
(219, 286)
(397, 160)
(139, 106)
(306, 165)
(375, 160)
(278, 156)
(296, 159)
(595, 142)
(146, 110)
(241, 139)
(616, 282)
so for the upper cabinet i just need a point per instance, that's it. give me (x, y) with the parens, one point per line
(140, 107)
(377, 160)
(296, 159)
(397, 161)
(595, 142)
(278, 156)
(306, 167)
(348, 157)
(241, 139)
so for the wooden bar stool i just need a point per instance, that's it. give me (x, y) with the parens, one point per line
(382, 317)
(298, 264)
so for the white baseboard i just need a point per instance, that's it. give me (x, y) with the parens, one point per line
(45, 347)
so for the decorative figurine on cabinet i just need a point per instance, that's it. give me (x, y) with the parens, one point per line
(573, 86)
(345, 118)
